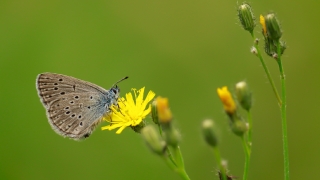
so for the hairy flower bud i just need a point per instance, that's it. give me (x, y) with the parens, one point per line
(209, 132)
(246, 17)
(153, 139)
(273, 26)
(244, 96)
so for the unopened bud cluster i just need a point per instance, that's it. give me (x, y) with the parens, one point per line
(272, 33)
(271, 29)
(244, 98)
(161, 115)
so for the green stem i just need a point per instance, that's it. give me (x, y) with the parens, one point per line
(180, 164)
(183, 174)
(247, 158)
(176, 166)
(169, 163)
(167, 149)
(218, 158)
(179, 157)
(250, 129)
(160, 129)
(266, 71)
(284, 116)
(173, 167)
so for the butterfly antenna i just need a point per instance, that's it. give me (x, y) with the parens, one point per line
(120, 80)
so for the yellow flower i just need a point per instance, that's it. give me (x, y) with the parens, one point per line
(164, 113)
(228, 103)
(130, 111)
(263, 24)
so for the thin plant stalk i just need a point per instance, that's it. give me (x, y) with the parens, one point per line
(180, 163)
(218, 158)
(177, 166)
(172, 166)
(283, 115)
(266, 71)
(247, 145)
(250, 129)
(160, 129)
(247, 158)
(169, 163)
(167, 149)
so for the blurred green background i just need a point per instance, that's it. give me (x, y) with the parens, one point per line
(182, 50)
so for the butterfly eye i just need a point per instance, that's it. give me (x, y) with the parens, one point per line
(114, 90)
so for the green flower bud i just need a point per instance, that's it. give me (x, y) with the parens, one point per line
(154, 112)
(153, 140)
(273, 27)
(171, 135)
(238, 126)
(271, 47)
(244, 96)
(283, 46)
(209, 132)
(246, 17)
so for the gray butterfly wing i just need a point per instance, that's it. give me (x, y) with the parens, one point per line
(50, 86)
(74, 107)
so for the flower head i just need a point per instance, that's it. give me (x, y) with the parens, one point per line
(130, 111)
(164, 113)
(228, 103)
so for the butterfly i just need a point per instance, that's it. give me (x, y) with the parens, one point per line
(74, 107)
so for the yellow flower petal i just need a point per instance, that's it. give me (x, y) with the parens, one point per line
(129, 100)
(122, 128)
(263, 24)
(146, 112)
(164, 112)
(139, 99)
(149, 97)
(228, 103)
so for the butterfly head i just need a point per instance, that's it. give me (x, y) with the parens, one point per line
(115, 90)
